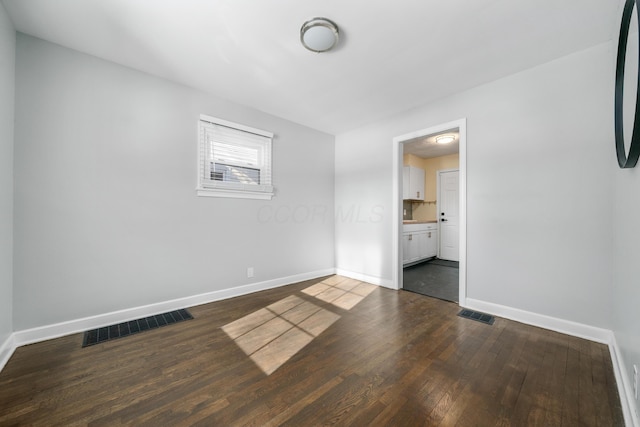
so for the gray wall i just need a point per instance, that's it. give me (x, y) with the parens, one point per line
(539, 155)
(626, 234)
(7, 74)
(626, 280)
(106, 212)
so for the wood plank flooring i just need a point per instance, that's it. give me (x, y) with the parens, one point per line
(330, 351)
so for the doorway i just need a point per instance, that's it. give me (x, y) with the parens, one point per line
(432, 204)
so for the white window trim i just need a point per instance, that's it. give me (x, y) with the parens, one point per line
(204, 191)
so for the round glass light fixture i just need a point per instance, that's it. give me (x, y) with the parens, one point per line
(445, 139)
(319, 34)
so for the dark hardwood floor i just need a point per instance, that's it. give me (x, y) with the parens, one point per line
(336, 352)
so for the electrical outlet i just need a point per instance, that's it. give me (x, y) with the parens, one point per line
(250, 272)
(635, 381)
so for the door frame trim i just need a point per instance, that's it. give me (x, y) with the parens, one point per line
(396, 213)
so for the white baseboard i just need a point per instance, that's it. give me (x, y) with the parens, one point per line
(592, 333)
(6, 350)
(364, 278)
(625, 388)
(547, 322)
(47, 332)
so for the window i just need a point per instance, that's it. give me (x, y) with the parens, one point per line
(233, 160)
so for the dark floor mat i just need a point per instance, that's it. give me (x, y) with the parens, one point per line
(445, 263)
(477, 316)
(435, 278)
(107, 333)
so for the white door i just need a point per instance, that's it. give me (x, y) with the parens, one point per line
(448, 215)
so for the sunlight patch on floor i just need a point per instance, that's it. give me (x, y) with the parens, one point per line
(345, 293)
(274, 334)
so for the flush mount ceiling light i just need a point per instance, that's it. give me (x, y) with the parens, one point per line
(445, 139)
(319, 34)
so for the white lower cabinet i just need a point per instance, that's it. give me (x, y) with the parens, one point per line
(409, 248)
(419, 241)
(432, 246)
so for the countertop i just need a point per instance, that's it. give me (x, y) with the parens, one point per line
(414, 221)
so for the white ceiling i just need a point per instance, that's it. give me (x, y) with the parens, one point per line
(392, 56)
(427, 146)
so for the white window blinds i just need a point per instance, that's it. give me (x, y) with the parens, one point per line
(234, 160)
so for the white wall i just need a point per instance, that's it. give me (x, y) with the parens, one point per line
(106, 212)
(539, 188)
(7, 75)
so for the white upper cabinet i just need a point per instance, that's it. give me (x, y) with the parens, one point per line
(412, 183)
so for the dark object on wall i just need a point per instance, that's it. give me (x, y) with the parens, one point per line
(634, 150)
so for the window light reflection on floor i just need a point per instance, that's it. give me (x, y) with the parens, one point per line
(272, 335)
(344, 294)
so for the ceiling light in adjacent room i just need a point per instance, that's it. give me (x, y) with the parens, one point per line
(445, 139)
(319, 34)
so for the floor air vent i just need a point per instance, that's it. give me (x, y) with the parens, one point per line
(124, 329)
(477, 316)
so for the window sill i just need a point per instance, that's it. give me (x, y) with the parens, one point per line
(233, 194)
